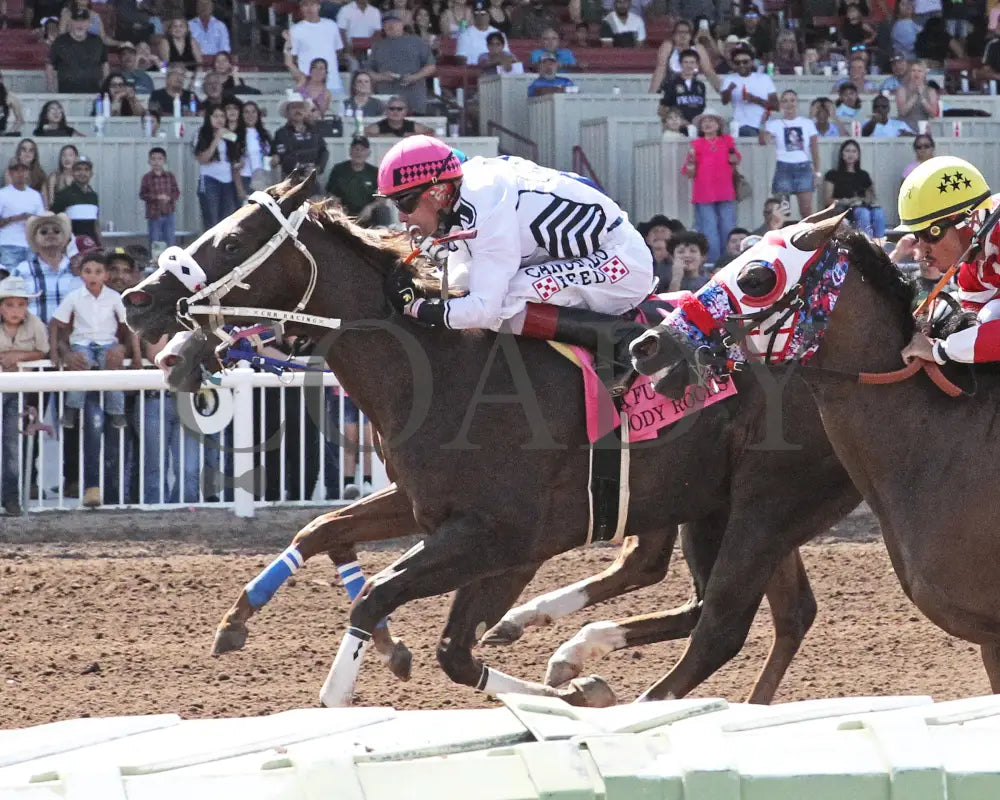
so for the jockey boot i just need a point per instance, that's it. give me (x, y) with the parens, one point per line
(605, 335)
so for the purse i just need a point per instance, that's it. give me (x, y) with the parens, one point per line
(742, 186)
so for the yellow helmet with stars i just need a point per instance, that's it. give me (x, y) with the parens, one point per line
(938, 189)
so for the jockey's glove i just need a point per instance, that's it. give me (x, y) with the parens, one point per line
(400, 289)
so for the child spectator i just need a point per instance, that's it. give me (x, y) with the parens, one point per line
(734, 246)
(24, 339)
(688, 250)
(684, 91)
(673, 123)
(159, 191)
(820, 112)
(848, 102)
(93, 315)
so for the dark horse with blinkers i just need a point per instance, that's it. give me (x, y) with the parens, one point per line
(502, 485)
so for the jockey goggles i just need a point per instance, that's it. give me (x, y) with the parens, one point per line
(407, 202)
(935, 232)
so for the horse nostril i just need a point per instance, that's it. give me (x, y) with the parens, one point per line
(137, 298)
(170, 361)
(646, 347)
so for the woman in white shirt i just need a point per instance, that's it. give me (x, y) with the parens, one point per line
(217, 152)
(257, 148)
(796, 141)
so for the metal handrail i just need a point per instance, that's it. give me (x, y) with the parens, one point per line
(582, 166)
(493, 127)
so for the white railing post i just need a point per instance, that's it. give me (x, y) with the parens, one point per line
(243, 422)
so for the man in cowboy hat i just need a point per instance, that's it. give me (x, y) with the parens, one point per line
(47, 271)
(24, 339)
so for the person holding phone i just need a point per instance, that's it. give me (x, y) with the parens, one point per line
(218, 160)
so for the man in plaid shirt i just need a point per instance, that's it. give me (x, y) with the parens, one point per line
(160, 193)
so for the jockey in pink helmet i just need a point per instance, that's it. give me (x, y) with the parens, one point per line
(553, 256)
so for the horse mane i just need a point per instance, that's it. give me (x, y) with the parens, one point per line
(384, 249)
(876, 269)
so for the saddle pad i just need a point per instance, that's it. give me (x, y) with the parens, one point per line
(647, 411)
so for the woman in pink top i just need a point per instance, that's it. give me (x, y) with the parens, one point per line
(709, 165)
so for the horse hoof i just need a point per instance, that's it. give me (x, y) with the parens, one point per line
(504, 632)
(559, 673)
(229, 638)
(590, 692)
(401, 661)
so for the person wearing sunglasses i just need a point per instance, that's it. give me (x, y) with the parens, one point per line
(552, 256)
(944, 202)
(923, 150)
(395, 123)
(751, 93)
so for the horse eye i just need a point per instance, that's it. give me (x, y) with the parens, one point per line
(230, 245)
(756, 279)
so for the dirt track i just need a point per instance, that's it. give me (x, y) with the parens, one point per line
(124, 627)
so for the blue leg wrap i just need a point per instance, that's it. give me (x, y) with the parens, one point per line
(262, 588)
(354, 579)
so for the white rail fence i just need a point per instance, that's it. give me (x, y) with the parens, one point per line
(291, 439)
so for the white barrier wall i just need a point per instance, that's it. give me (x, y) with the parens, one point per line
(877, 748)
(504, 98)
(663, 190)
(32, 81)
(554, 120)
(610, 146)
(133, 126)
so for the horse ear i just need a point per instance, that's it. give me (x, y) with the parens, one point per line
(297, 187)
(824, 225)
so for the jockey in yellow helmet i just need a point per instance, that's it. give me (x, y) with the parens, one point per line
(943, 202)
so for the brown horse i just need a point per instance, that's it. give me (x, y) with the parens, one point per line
(912, 451)
(388, 513)
(463, 453)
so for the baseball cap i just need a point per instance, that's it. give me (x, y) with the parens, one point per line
(79, 14)
(548, 57)
(362, 140)
(83, 160)
(897, 56)
(120, 253)
(388, 16)
(479, 7)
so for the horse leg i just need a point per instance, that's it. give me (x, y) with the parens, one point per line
(700, 541)
(991, 660)
(642, 561)
(463, 550)
(757, 539)
(381, 515)
(478, 605)
(793, 609)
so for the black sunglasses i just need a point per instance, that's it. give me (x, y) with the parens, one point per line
(407, 202)
(742, 62)
(397, 108)
(923, 147)
(933, 234)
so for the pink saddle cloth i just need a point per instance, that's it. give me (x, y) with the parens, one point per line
(646, 411)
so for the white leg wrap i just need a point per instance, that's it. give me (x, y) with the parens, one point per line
(494, 682)
(593, 641)
(545, 608)
(338, 688)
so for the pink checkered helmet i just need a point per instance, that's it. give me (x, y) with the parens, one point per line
(417, 162)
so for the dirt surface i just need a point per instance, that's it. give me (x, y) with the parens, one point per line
(106, 613)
